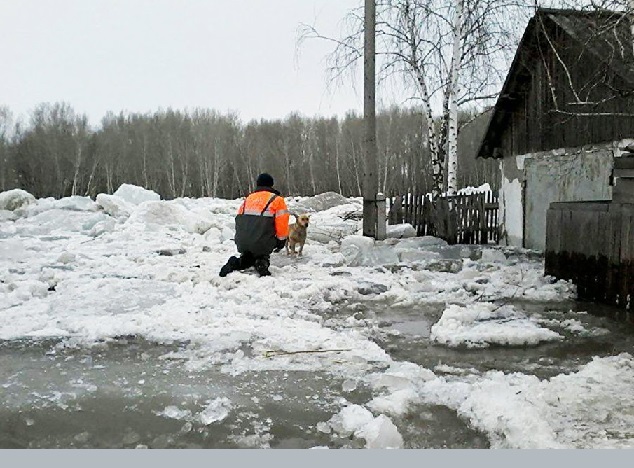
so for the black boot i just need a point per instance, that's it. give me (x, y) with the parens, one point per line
(262, 266)
(232, 265)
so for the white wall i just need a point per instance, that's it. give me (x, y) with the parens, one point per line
(511, 212)
(568, 174)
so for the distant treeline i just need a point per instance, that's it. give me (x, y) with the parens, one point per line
(204, 153)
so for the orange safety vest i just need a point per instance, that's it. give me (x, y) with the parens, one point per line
(262, 217)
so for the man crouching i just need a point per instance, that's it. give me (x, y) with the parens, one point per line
(261, 228)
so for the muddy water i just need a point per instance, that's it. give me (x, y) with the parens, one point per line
(545, 360)
(119, 395)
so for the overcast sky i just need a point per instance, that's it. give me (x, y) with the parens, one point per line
(142, 55)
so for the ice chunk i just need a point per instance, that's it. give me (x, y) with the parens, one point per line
(417, 256)
(399, 231)
(11, 200)
(349, 385)
(482, 324)
(66, 257)
(492, 256)
(169, 214)
(136, 195)
(354, 248)
(57, 221)
(421, 242)
(114, 206)
(105, 225)
(362, 251)
(396, 403)
(76, 203)
(323, 427)
(380, 433)
(174, 412)
(321, 202)
(217, 410)
(6, 215)
(445, 265)
(350, 419)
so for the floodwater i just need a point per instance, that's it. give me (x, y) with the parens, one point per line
(125, 394)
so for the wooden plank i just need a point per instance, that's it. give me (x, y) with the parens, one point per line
(629, 262)
(421, 206)
(406, 206)
(613, 254)
(414, 208)
(484, 231)
(623, 163)
(553, 243)
(625, 261)
(627, 173)
(601, 205)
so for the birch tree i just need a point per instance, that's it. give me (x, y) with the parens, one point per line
(6, 168)
(449, 53)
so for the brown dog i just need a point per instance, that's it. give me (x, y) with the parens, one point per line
(297, 234)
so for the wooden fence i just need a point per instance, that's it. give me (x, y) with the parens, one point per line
(592, 244)
(460, 219)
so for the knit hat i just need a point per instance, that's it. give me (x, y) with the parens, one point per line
(264, 180)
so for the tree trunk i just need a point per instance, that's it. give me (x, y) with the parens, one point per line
(631, 15)
(452, 107)
(337, 163)
(77, 165)
(172, 170)
(146, 183)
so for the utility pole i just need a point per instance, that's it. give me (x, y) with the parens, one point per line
(370, 176)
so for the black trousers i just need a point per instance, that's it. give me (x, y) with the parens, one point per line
(248, 260)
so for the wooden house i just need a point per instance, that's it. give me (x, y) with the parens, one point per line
(566, 107)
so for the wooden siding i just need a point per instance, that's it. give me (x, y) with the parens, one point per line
(526, 119)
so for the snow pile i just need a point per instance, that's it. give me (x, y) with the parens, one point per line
(471, 190)
(321, 202)
(12, 200)
(498, 406)
(152, 214)
(483, 324)
(335, 223)
(6, 215)
(589, 408)
(72, 203)
(76, 203)
(123, 202)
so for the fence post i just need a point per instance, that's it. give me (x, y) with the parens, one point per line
(398, 204)
(380, 220)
